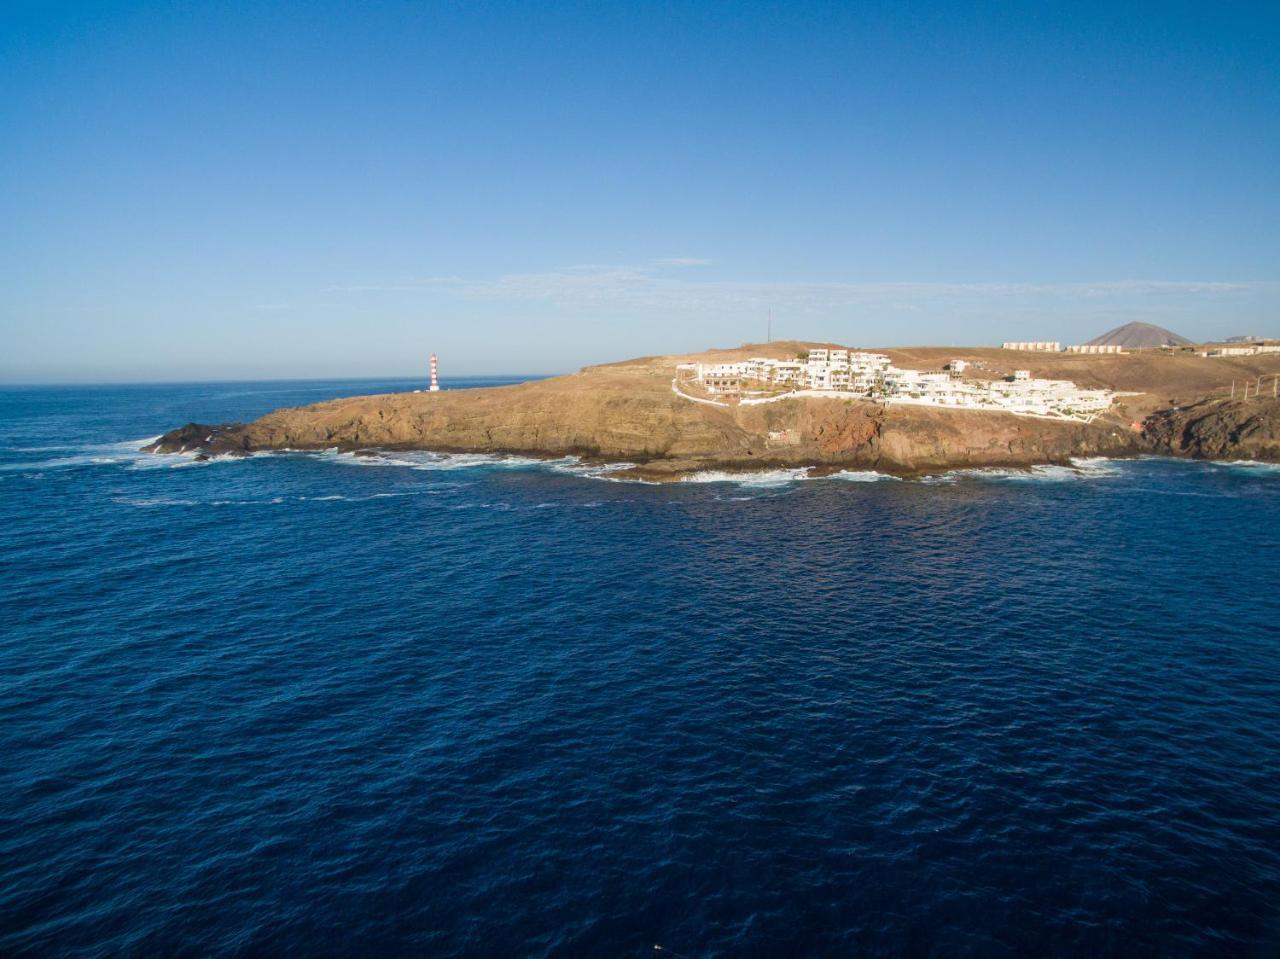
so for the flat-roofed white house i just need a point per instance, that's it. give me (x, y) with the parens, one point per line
(1095, 348)
(1040, 346)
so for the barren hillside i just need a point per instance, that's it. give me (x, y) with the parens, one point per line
(628, 411)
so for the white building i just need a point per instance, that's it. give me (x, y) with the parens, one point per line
(723, 384)
(1095, 348)
(1244, 350)
(1039, 347)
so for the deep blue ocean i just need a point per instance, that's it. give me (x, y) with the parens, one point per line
(436, 706)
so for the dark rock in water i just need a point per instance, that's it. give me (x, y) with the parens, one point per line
(208, 441)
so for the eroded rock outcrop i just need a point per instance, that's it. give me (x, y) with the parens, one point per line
(226, 440)
(1218, 429)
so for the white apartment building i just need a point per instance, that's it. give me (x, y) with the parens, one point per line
(1234, 351)
(1095, 348)
(1244, 350)
(1033, 347)
(1048, 397)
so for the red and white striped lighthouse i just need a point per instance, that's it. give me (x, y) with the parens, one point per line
(435, 384)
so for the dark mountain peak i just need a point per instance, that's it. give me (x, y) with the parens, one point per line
(1139, 336)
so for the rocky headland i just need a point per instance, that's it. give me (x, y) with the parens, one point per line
(1171, 404)
(1218, 429)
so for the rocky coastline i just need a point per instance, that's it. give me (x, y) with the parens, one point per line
(628, 412)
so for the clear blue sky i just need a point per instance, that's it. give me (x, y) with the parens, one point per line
(237, 190)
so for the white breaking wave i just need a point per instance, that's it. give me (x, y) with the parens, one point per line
(425, 460)
(575, 467)
(1254, 466)
(92, 454)
(762, 479)
(860, 476)
(1083, 468)
(603, 471)
(277, 500)
(1096, 465)
(61, 462)
(770, 479)
(157, 501)
(440, 461)
(126, 454)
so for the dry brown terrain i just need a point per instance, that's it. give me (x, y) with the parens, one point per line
(628, 411)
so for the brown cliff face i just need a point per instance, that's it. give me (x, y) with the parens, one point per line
(1218, 429)
(628, 411)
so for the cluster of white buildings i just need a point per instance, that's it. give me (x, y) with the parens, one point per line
(1041, 347)
(1052, 346)
(1243, 350)
(1095, 348)
(844, 372)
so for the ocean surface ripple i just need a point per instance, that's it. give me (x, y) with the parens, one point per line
(322, 704)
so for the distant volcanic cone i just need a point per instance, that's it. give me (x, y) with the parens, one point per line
(1139, 336)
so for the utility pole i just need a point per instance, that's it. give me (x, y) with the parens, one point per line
(769, 328)
(1233, 389)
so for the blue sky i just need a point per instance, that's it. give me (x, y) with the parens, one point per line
(193, 191)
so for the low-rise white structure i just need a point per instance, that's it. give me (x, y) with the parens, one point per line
(1244, 350)
(1095, 348)
(1034, 347)
(1234, 351)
